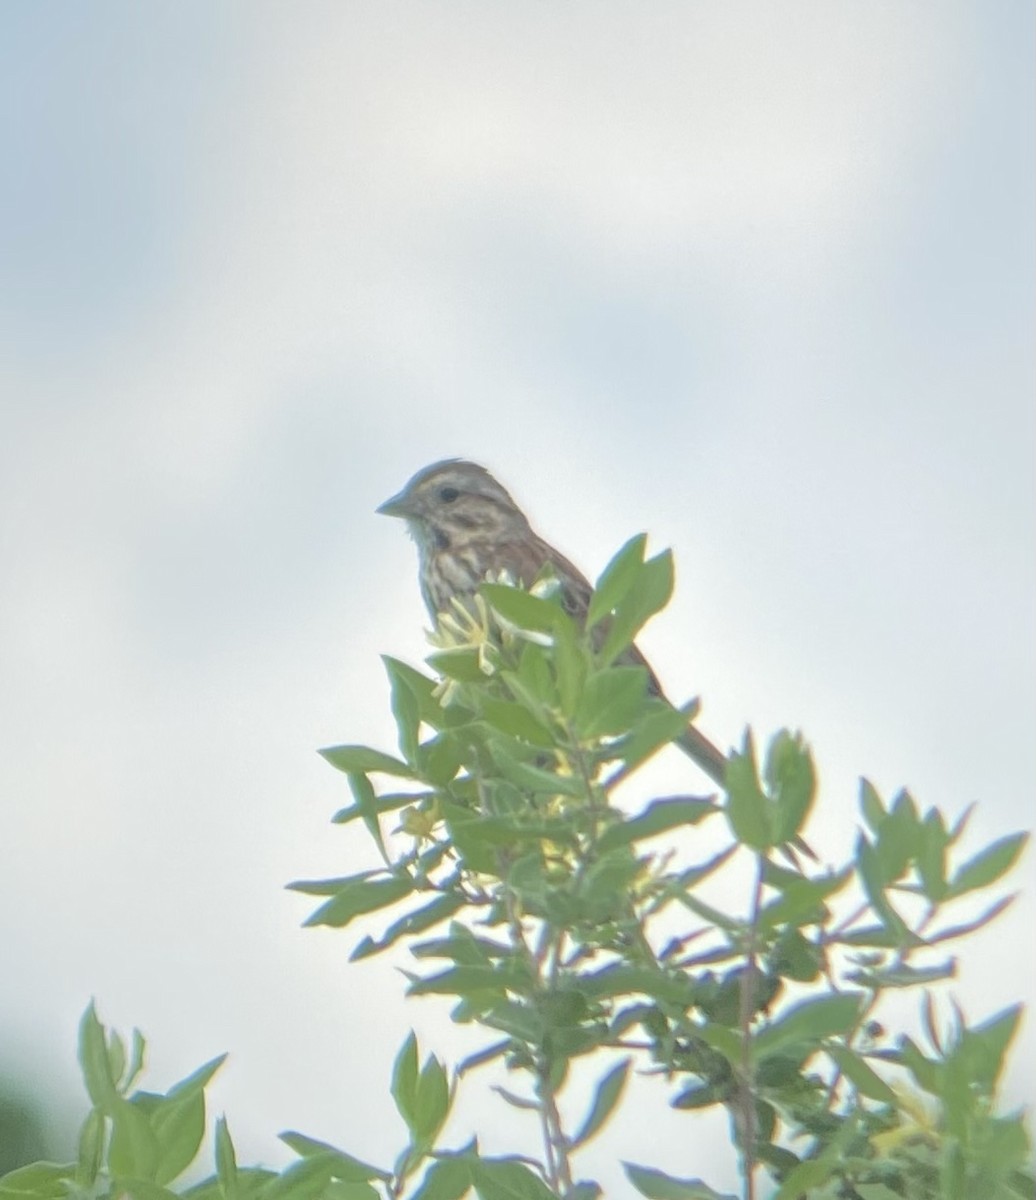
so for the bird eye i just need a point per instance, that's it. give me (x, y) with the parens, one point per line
(448, 494)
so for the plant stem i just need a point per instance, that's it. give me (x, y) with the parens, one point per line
(554, 1134)
(746, 1089)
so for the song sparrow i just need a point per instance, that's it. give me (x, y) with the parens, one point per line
(467, 526)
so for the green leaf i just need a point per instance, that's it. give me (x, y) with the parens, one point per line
(585, 1189)
(871, 935)
(439, 759)
(136, 1062)
(801, 901)
(343, 1166)
(811, 1173)
(528, 697)
(791, 778)
(515, 1100)
(727, 1042)
(367, 803)
(420, 686)
(404, 1080)
(572, 662)
(923, 1069)
(563, 1007)
(657, 724)
(987, 1045)
(37, 1181)
(306, 1180)
(606, 1097)
(406, 708)
(703, 1095)
(903, 975)
(873, 877)
(318, 1177)
(748, 810)
(875, 1191)
(133, 1152)
(387, 803)
(331, 887)
(866, 1081)
(898, 840)
(961, 824)
(669, 812)
(179, 1127)
(533, 682)
(931, 856)
(524, 827)
(363, 758)
(871, 806)
(355, 899)
(142, 1189)
(481, 1057)
(706, 911)
(806, 1178)
(987, 866)
(535, 779)
(520, 1022)
(616, 580)
(523, 610)
(516, 720)
(930, 1027)
(91, 1149)
(808, 1022)
(95, 1063)
(464, 665)
(795, 957)
(955, 931)
(431, 1101)
(1005, 1154)
(198, 1080)
(447, 1179)
(694, 875)
(656, 1185)
(440, 909)
(650, 593)
(469, 840)
(622, 979)
(116, 1058)
(611, 700)
(250, 1181)
(604, 890)
(462, 946)
(504, 1179)
(462, 981)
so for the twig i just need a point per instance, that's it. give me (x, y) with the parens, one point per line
(746, 1090)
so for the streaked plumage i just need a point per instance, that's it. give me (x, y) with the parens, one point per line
(466, 526)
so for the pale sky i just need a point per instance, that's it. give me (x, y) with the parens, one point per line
(755, 278)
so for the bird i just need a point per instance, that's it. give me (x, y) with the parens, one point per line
(467, 527)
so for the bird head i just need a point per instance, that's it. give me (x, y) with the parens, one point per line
(454, 502)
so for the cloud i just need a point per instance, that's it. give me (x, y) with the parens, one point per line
(749, 277)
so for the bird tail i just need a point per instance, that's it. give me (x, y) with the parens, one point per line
(701, 751)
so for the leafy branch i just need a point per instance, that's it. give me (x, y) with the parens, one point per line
(567, 929)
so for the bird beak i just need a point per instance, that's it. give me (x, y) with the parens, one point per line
(396, 506)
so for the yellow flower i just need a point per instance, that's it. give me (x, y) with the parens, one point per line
(419, 823)
(466, 625)
(919, 1118)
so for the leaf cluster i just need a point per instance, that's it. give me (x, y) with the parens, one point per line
(571, 930)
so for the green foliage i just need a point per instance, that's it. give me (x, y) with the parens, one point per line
(23, 1135)
(528, 898)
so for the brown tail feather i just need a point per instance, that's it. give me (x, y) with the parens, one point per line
(701, 751)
